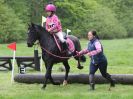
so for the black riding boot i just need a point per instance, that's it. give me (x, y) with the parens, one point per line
(65, 47)
(92, 82)
(112, 81)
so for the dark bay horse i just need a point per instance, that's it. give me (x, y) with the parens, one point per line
(50, 51)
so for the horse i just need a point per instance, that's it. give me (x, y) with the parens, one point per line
(50, 52)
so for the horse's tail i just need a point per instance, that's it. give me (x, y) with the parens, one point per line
(77, 48)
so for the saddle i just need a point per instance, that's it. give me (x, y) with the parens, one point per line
(69, 42)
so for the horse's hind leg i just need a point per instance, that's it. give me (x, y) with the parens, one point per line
(79, 64)
(67, 67)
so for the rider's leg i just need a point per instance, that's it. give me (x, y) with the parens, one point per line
(65, 46)
(61, 38)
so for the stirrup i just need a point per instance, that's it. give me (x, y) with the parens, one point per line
(69, 53)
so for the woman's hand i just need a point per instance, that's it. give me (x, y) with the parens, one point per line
(88, 54)
(77, 53)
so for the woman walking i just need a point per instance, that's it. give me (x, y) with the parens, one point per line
(98, 59)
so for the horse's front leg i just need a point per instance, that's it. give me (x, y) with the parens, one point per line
(52, 80)
(67, 67)
(47, 76)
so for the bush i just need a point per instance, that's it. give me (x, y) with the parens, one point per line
(11, 27)
(82, 16)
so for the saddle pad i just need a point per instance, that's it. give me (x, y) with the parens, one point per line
(70, 44)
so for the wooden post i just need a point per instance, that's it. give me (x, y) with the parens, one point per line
(36, 60)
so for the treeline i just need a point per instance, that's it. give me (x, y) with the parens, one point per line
(13, 20)
(111, 18)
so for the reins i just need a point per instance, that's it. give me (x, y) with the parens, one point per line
(55, 54)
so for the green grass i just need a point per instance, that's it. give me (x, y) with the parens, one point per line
(71, 91)
(118, 52)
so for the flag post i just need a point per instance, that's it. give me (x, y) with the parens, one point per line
(12, 46)
(12, 76)
(43, 20)
(41, 63)
(68, 31)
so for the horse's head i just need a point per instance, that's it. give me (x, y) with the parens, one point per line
(32, 34)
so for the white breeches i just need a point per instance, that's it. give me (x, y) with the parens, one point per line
(60, 36)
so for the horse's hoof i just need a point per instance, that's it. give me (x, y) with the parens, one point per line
(80, 67)
(57, 83)
(65, 83)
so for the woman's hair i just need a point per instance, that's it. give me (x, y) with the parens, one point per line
(94, 33)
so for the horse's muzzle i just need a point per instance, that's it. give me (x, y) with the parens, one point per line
(29, 44)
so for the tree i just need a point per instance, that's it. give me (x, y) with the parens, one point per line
(123, 10)
(11, 28)
(82, 16)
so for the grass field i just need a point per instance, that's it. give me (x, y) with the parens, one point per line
(118, 52)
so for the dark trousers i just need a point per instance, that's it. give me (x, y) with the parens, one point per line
(103, 69)
(101, 66)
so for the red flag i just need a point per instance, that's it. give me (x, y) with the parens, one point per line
(12, 46)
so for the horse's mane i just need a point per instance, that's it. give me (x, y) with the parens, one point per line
(40, 27)
(44, 36)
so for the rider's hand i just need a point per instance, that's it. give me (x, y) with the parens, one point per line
(48, 30)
